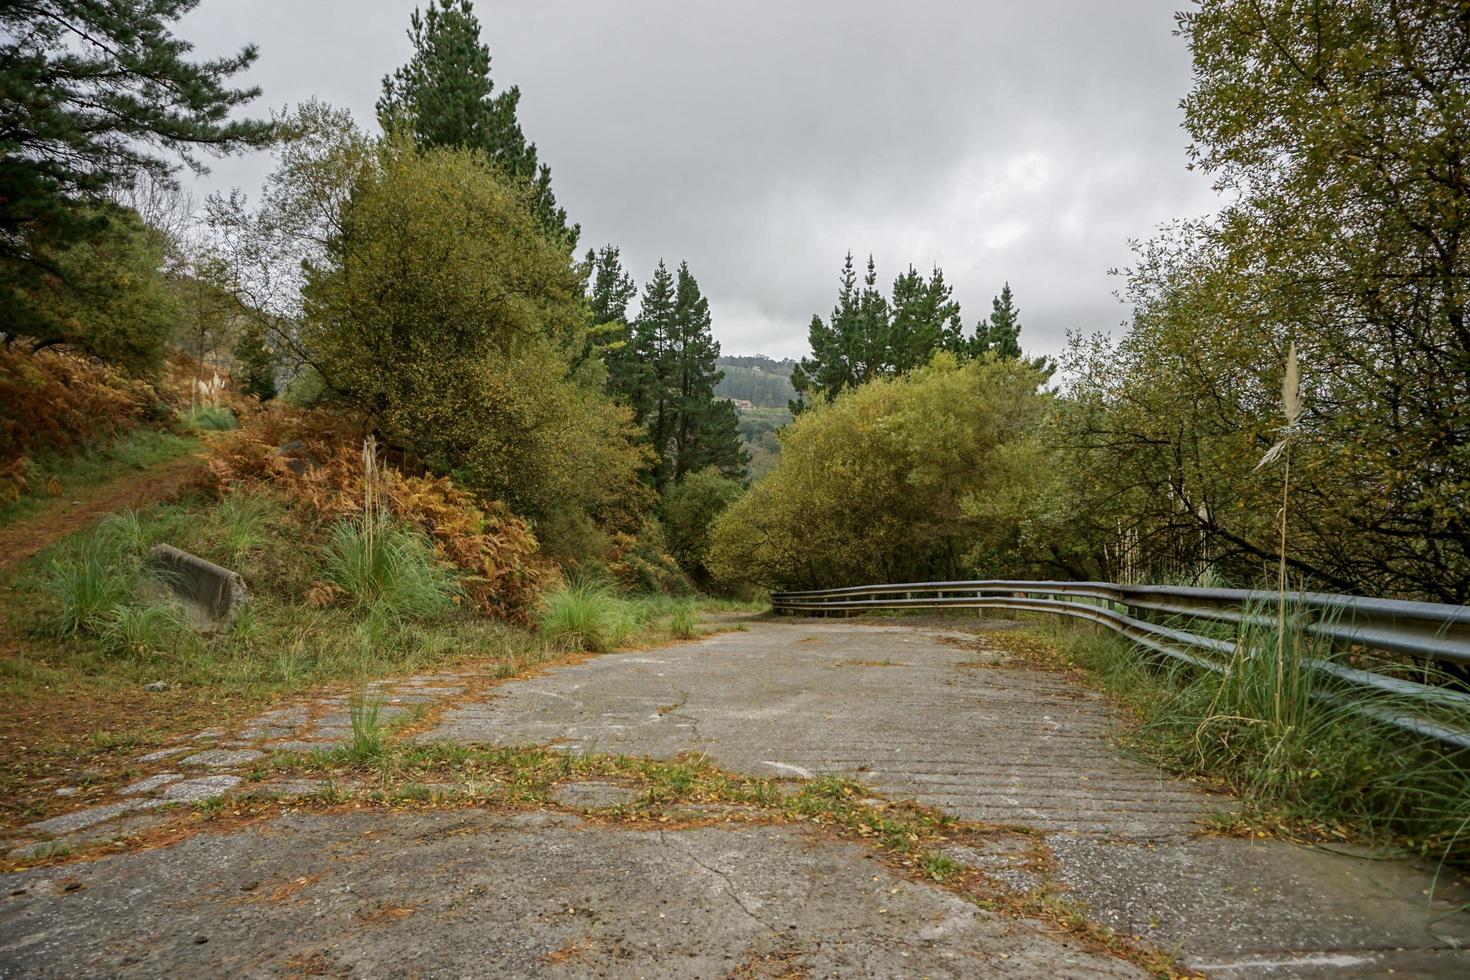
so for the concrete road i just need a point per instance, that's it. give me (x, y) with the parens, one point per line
(940, 716)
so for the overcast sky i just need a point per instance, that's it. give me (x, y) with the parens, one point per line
(1002, 140)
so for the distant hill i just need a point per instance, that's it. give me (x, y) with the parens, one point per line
(760, 380)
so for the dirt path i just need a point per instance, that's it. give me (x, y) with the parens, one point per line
(30, 534)
(560, 868)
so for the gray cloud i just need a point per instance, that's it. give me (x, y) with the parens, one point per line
(761, 141)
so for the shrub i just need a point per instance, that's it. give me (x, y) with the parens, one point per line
(53, 402)
(387, 570)
(938, 474)
(211, 418)
(690, 508)
(586, 615)
(502, 565)
(643, 565)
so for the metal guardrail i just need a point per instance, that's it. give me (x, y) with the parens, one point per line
(1426, 631)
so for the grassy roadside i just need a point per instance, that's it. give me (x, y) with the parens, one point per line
(1302, 767)
(89, 631)
(70, 475)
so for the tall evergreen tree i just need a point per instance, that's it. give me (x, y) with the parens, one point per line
(610, 290)
(926, 318)
(444, 97)
(830, 368)
(88, 92)
(705, 431)
(1001, 333)
(649, 395)
(868, 336)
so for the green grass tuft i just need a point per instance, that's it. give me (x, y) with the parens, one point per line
(683, 624)
(141, 629)
(211, 418)
(387, 570)
(587, 615)
(368, 737)
(87, 583)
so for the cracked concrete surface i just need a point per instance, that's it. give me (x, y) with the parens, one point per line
(938, 717)
(934, 715)
(467, 893)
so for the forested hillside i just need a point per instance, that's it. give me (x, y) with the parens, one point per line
(758, 379)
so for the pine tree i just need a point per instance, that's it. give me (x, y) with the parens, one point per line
(829, 369)
(649, 393)
(867, 336)
(1001, 333)
(705, 431)
(444, 96)
(871, 337)
(610, 290)
(925, 318)
(89, 91)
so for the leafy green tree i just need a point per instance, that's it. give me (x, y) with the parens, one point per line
(928, 475)
(444, 96)
(440, 309)
(689, 511)
(1339, 131)
(92, 93)
(109, 297)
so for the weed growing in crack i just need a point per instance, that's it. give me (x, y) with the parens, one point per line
(368, 737)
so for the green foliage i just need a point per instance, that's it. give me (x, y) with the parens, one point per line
(586, 615)
(211, 418)
(1000, 335)
(107, 297)
(444, 97)
(386, 570)
(683, 625)
(609, 291)
(690, 509)
(365, 715)
(243, 522)
(927, 476)
(460, 348)
(870, 336)
(90, 90)
(87, 583)
(670, 380)
(255, 362)
(1336, 128)
(642, 563)
(139, 629)
(1261, 730)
